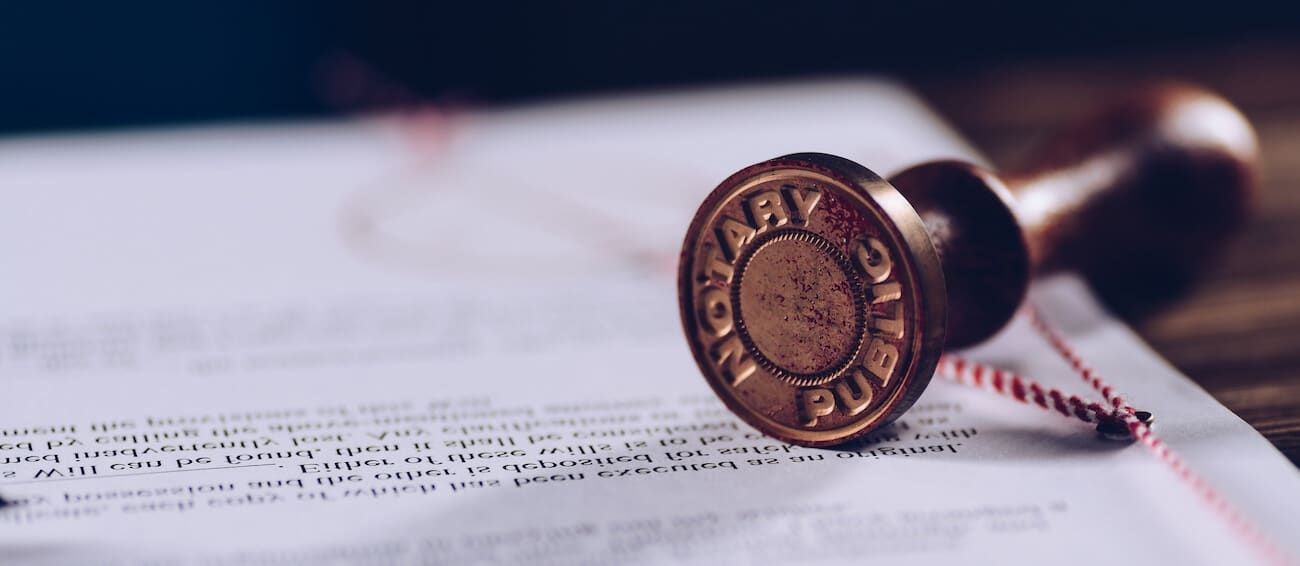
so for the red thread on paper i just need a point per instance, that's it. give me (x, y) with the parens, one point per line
(1004, 382)
(1116, 407)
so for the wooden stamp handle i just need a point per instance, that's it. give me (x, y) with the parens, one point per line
(1137, 197)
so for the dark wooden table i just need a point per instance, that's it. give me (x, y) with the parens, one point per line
(1238, 333)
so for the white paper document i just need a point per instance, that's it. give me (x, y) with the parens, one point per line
(454, 339)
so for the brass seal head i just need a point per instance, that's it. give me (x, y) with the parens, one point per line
(812, 298)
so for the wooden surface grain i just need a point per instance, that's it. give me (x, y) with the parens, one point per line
(1238, 332)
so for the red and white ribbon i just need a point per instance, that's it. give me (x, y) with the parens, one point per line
(1115, 408)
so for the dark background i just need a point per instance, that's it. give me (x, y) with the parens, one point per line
(111, 64)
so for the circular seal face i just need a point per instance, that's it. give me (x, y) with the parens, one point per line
(812, 298)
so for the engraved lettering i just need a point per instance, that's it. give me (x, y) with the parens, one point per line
(801, 203)
(873, 258)
(881, 359)
(884, 292)
(733, 235)
(764, 210)
(714, 311)
(891, 326)
(715, 266)
(815, 403)
(854, 392)
(731, 359)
